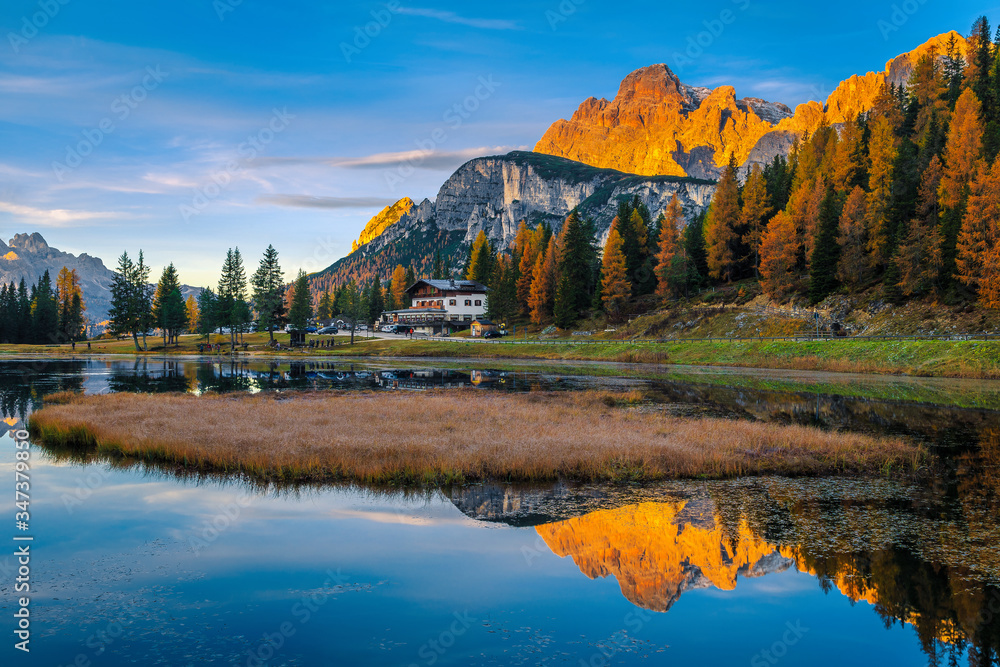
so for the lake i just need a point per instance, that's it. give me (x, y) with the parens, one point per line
(135, 564)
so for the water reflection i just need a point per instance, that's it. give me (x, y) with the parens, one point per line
(914, 558)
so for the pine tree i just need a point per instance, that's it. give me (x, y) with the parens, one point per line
(855, 267)
(437, 273)
(268, 292)
(207, 320)
(754, 214)
(168, 305)
(694, 245)
(502, 303)
(231, 309)
(301, 306)
(376, 304)
(532, 247)
(615, 288)
(574, 270)
(721, 238)
(823, 267)
(45, 312)
(325, 309)
(779, 256)
(410, 277)
(919, 255)
(954, 71)
(130, 311)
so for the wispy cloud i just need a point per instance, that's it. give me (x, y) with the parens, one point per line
(307, 201)
(452, 17)
(434, 160)
(58, 217)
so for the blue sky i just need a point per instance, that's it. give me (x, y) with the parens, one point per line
(189, 126)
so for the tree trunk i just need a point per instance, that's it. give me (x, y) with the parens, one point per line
(270, 332)
(145, 348)
(135, 339)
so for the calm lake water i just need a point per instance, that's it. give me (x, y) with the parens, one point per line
(142, 565)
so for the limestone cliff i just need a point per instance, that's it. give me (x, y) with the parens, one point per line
(388, 217)
(494, 194)
(658, 125)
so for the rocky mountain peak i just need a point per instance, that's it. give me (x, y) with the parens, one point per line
(29, 243)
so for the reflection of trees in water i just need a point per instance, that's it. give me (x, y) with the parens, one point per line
(22, 385)
(144, 377)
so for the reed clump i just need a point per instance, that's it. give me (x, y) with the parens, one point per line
(452, 437)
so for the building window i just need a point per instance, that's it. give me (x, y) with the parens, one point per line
(468, 318)
(478, 302)
(451, 302)
(468, 302)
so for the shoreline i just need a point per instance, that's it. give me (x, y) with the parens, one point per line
(447, 437)
(968, 359)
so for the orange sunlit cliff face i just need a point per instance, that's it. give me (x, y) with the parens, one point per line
(657, 551)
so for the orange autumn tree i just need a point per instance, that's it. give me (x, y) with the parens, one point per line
(720, 227)
(397, 287)
(671, 258)
(615, 287)
(962, 150)
(543, 285)
(779, 254)
(977, 241)
(883, 151)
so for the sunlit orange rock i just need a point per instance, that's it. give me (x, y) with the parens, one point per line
(657, 551)
(388, 217)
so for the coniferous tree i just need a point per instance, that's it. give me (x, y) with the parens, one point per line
(574, 269)
(231, 309)
(823, 267)
(962, 153)
(169, 313)
(207, 319)
(672, 263)
(615, 287)
(721, 239)
(375, 301)
(71, 305)
(301, 306)
(45, 312)
(694, 244)
(977, 241)
(411, 277)
(855, 266)
(502, 303)
(919, 255)
(779, 256)
(193, 314)
(398, 287)
(438, 272)
(324, 310)
(883, 151)
(269, 292)
(130, 311)
(481, 259)
(754, 213)
(543, 284)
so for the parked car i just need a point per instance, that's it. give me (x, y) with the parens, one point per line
(492, 333)
(328, 330)
(387, 329)
(310, 329)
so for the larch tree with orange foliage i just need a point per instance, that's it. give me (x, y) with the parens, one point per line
(855, 267)
(672, 264)
(882, 149)
(543, 284)
(779, 255)
(754, 214)
(615, 287)
(721, 239)
(977, 241)
(919, 254)
(849, 163)
(397, 287)
(962, 152)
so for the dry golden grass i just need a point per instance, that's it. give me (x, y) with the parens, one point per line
(452, 436)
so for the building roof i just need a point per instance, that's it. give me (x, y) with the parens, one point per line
(483, 321)
(452, 285)
(416, 311)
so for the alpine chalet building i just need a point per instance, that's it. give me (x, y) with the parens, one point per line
(441, 306)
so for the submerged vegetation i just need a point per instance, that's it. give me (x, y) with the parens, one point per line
(452, 437)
